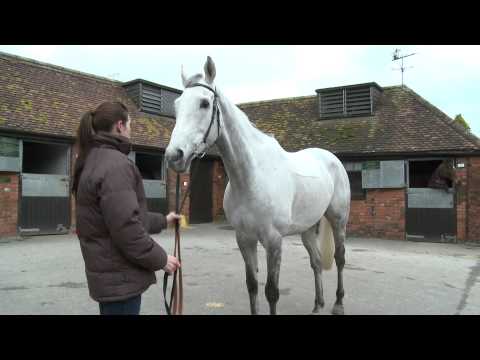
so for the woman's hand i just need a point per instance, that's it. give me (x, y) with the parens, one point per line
(172, 264)
(171, 217)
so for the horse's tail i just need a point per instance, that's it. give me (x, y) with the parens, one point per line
(327, 245)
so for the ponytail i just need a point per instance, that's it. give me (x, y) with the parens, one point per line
(85, 134)
(102, 119)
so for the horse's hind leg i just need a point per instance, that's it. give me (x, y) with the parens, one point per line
(309, 239)
(248, 248)
(339, 227)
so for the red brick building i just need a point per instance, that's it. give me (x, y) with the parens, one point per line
(40, 108)
(414, 174)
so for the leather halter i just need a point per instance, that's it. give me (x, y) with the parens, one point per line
(215, 111)
(175, 306)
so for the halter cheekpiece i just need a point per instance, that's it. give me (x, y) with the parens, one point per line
(215, 110)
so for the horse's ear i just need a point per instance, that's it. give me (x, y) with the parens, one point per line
(210, 71)
(184, 78)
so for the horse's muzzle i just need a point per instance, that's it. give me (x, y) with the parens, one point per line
(173, 154)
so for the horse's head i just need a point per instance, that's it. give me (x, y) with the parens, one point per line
(196, 111)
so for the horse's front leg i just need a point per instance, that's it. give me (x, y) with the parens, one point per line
(248, 248)
(273, 247)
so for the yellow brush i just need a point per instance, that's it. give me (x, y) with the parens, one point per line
(184, 222)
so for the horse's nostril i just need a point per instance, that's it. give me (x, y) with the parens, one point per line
(179, 154)
(174, 154)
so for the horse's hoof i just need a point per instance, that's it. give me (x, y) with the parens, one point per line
(338, 310)
(316, 310)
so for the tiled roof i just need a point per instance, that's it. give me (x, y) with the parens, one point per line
(49, 100)
(403, 123)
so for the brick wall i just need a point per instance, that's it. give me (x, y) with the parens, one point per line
(473, 199)
(460, 184)
(381, 215)
(8, 203)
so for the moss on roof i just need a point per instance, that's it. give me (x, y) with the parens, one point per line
(46, 99)
(402, 122)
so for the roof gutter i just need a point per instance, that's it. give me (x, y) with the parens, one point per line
(409, 154)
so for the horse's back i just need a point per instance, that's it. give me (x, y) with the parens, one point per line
(312, 162)
(325, 166)
(335, 168)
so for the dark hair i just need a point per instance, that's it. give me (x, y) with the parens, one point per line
(102, 119)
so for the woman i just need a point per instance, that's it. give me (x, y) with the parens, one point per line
(113, 224)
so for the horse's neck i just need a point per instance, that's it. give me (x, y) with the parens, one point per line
(237, 144)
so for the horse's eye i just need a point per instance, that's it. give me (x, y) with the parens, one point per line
(204, 104)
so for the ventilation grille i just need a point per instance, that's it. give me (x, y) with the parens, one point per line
(348, 101)
(133, 92)
(332, 103)
(152, 99)
(358, 101)
(168, 101)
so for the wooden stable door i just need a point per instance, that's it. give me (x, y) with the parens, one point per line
(45, 204)
(431, 215)
(431, 212)
(45, 188)
(201, 203)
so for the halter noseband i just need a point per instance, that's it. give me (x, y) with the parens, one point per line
(215, 110)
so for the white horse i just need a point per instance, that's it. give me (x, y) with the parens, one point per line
(271, 193)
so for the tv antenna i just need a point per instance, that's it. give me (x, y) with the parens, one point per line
(397, 56)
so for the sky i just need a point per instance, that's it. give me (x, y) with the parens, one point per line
(446, 76)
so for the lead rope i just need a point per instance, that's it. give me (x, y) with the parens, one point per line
(176, 295)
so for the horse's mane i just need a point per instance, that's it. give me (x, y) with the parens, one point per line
(198, 77)
(251, 122)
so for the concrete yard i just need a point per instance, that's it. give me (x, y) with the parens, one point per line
(45, 275)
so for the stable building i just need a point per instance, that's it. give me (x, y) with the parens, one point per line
(414, 173)
(40, 109)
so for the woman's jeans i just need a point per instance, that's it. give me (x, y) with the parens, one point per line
(125, 307)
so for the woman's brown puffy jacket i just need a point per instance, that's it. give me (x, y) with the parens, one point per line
(113, 223)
